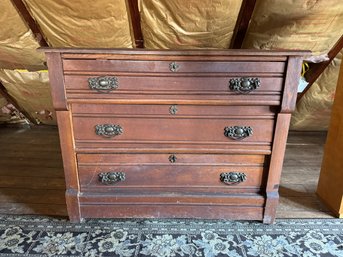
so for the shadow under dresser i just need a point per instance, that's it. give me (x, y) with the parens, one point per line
(178, 134)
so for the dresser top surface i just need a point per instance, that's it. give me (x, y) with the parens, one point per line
(185, 52)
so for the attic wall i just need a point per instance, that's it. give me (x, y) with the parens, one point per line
(17, 43)
(288, 24)
(32, 92)
(314, 108)
(314, 25)
(100, 23)
(183, 24)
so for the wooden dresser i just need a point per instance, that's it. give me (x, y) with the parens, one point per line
(187, 134)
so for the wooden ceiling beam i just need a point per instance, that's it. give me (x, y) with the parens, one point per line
(30, 22)
(242, 23)
(11, 100)
(136, 23)
(316, 69)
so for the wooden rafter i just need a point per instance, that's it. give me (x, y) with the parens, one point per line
(10, 99)
(242, 23)
(31, 23)
(136, 23)
(316, 69)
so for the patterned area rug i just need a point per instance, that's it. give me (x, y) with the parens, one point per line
(41, 236)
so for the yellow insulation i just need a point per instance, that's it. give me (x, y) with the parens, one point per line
(32, 93)
(315, 25)
(17, 43)
(79, 23)
(314, 108)
(188, 24)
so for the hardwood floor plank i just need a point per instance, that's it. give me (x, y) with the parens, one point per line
(39, 209)
(33, 183)
(38, 196)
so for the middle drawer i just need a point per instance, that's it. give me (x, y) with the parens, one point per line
(113, 126)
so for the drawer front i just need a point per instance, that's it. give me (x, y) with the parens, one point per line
(140, 66)
(162, 171)
(109, 84)
(116, 130)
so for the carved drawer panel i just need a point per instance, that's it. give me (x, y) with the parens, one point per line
(107, 85)
(170, 172)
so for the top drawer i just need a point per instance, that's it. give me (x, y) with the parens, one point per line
(153, 66)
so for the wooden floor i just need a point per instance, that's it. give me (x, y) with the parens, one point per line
(32, 180)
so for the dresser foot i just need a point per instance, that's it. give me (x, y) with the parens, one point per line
(73, 206)
(270, 208)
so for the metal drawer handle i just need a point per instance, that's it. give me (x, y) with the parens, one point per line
(238, 132)
(109, 178)
(108, 130)
(173, 66)
(244, 85)
(103, 84)
(232, 178)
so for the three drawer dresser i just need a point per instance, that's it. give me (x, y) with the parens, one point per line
(186, 134)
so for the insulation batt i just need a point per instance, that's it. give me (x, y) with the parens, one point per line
(17, 43)
(188, 24)
(31, 91)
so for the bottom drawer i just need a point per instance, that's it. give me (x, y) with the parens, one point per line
(171, 173)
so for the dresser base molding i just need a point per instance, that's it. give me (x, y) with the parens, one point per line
(172, 211)
(173, 134)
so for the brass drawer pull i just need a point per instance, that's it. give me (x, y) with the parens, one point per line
(103, 84)
(232, 178)
(173, 109)
(173, 66)
(238, 132)
(244, 85)
(172, 158)
(108, 130)
(109, 178)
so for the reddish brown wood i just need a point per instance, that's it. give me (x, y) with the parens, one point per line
(234, 200)
(206, 211)
(316, 69)
(178, 147)
(186, 99)
(199, 67)
(242, 23)
(30, 22)
(275, 168)
(166, 178)
(291, 84)
(11, 100)
(161, 130)
(170, 84)
(136, 23)
(54, 62)
(185, 159)
(183, 111)
(69, 163)
(93, 52)
(190, 187)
